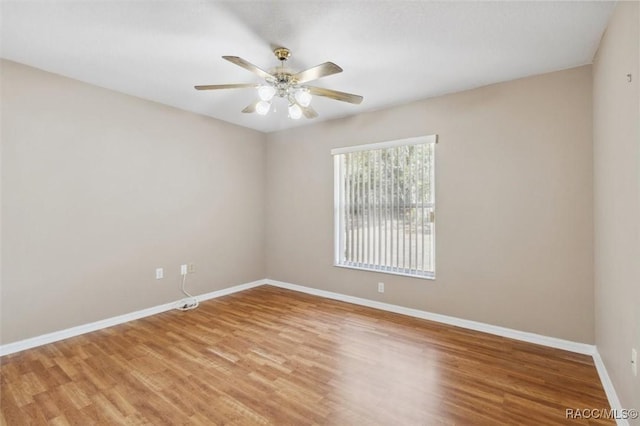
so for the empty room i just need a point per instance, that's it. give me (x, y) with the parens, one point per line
(319, 212)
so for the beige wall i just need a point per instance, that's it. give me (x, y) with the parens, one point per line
(514, 204)
(616, 122)
(100, 188)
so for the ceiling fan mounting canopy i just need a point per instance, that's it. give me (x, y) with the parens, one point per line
(282, 53)
(284, 83)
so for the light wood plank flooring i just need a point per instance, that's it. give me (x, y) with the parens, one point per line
(273, 356)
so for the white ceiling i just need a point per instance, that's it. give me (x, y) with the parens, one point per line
(392, 52)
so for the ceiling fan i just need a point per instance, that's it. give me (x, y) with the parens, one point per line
(286, 84)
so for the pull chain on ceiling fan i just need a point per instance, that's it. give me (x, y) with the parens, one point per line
(285, 84)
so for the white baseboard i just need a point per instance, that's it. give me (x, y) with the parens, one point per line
(445, 319)
(607, 384)
(230, 290)
(43, 339)
(567, 345)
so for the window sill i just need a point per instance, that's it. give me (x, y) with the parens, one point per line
(423, 276)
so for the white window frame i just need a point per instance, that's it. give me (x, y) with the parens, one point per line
(339, 213)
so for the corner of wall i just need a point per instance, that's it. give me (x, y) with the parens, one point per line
(616, 145)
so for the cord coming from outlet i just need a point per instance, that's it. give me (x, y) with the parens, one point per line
(189, 303)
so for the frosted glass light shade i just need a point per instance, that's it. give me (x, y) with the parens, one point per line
(266, 93)
(303, 97)
(263, 107)
(294, 111)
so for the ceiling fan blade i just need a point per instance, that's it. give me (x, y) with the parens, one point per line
(319, 71)
(334, 94)
(308, 111)
(248, 66)
(226, 86)
(251, 107)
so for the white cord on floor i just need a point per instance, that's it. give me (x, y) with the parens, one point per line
(186, 304)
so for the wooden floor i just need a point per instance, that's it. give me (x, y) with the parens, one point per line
(273, 356)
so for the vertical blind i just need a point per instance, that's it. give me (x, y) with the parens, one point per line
(385, 207)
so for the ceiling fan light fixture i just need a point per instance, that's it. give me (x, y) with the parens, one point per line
(263, 107)
(286, 84)
(295, 112)
(303, 97)
(266, 93)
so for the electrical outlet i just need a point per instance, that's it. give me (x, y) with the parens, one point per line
(192, 268)
(183, 269)
(634, 362)
(159, 273)
(380, 287)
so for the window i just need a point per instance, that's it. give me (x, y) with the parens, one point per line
(384, 207)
